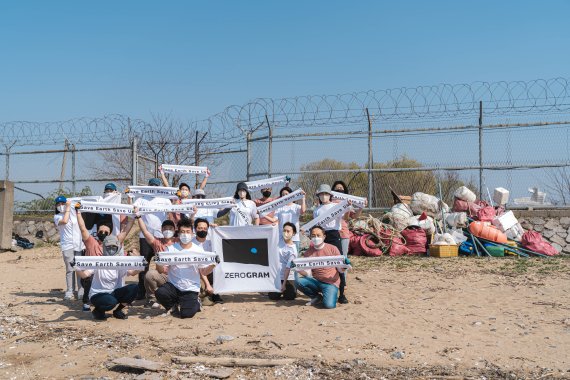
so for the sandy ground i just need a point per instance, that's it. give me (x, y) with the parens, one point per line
(408, 318)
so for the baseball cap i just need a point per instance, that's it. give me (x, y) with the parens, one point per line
(60, 199)
(154, 182)
(111, 186)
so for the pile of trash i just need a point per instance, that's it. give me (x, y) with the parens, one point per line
(423, 223)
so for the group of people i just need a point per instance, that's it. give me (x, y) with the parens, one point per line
(177, 288)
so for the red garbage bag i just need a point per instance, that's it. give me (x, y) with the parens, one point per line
(416, 240)
(398, 248)
(463, 206)
(534, 241)
(354, 245)
(368, 246)
(486, 214)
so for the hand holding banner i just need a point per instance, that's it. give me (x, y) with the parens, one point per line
(185, 258)
(106, 208)
(184, 169)
(305, 263)
(338, 210)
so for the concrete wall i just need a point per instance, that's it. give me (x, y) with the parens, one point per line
(6, 213)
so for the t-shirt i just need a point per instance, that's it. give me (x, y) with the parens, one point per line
(263, 218)
(206, 245)
(286, 254)
(324, 209)
(210, 214)
(106, 280)
(93, 247)
(289, 213)
(65, 232)
(152, 221)
(185, 277)
(244, 213)
(327, 275)
(159, 245)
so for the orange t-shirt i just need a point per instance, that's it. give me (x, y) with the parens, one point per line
(93, 247)
(327, 275)
(262, 219)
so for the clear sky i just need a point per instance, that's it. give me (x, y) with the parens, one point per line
(65, 59)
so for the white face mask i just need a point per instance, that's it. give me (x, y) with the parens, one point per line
(242, 194)
(185, 238)
(324, 198)
(168, 234)
(61, 208)
(317, 241)
(185, 193)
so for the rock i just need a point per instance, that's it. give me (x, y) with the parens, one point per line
(566, 249)
(565, 221)
(149, 376)
(146, 365)
(398, 355)
(224, 338)
(21, 229)
(551, 224)
(558, 247)
(536, 221)
(558, 240)
(568, 239)
(562, 234)
(538, 227)
(548, 234)
(32, 229)
(526, 225)
(218, 373)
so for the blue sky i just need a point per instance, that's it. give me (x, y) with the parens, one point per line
(68, 59)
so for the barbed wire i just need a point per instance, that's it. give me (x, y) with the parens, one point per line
(437, 102)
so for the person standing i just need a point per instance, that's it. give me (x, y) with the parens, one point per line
(291, 213)
(245, 212)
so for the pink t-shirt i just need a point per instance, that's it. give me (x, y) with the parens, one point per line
(262, 218)
(93, 247)
(327, 275)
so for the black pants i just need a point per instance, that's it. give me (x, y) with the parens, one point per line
(333, 237)
(108, 301)
(86, 283)
(168, 295)
(289, 294)
(147, 252)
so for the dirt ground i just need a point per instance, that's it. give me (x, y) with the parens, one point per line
(408, 318)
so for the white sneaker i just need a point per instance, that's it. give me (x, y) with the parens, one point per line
(155, 305)
(80, 294)
(315, 301)
(68, 296)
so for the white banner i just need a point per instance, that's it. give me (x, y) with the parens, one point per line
(249, 259)
(304, 263)
(186, 209)
(359, 202)
(185, 258)
(110, 262)
(106, 208)
(211, 203)
(268, 207)
(338, 210)
(153, 191)
(184, 169)
(269, 182)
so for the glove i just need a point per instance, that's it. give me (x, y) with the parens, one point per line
(346, 261)
(217, 259)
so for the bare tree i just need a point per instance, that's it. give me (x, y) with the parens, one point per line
(558, 185)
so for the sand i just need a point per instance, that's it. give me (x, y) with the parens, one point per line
(408, 318)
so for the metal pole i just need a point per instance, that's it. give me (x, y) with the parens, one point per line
(270, 148)
(134, 168)
(248, 155)
(370, 161)
(73, 189)
(196, 156)
(480, 150)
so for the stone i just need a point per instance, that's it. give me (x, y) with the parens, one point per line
(557, 247)
(218, 373)
(563, 235)
(565, 221)
(536, 221)
(559, 229)
(548, 234)
(538, 227)
(551, 224)
(146, 365)
(558, 240)
(526, 225)
(32, 229)
(398, 355)
(21, 229)
(224, 338)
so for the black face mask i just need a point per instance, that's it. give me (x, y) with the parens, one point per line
(201, 234)
(266, 194)
(102, 235)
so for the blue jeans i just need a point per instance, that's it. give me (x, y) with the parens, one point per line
(311, 287)
(108, 301)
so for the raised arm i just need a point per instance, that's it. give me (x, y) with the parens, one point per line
(123, 235)
(204, 181)
(147, 235)
(65, 218)
(163, 177)
(81, 223)
(303, 204)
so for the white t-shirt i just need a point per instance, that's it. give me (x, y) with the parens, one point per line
(185, 277)
(153, 221)
(286, 254)
(65, 232)
(244, 213)
(106, 280)
(206, 245)
(334, 224)
(210, 214)
(289, 213)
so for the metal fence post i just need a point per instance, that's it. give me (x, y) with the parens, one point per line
(248, 155)
(73, 189)
(370, 162)
(134, 167)
(480, 150)
(270, 148)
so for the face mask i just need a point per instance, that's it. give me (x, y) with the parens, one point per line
(339, 190)
(201, 234)
(185, 193)
(168, 234)
(287, 235)
(102, 235)
(324, 198)
(242, 194)
(266, 194)
(111, 251)
(61, 208)
(185, 238)
(317, 241)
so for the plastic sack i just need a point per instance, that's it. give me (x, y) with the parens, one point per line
(398, 248)
(534, 241)
(444, 239)
(465, 194)
(399, 216)
(463, 206)
(486, 214)
(456, 219)
(429, 204)
(416, 239)
(427, 225)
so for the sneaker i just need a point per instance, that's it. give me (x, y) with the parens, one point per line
(120, 314)
(99, 315)
(216, 298)
(315, 300)
(174, 311)
(342, 299)
(80, 294)
(149, 302)
(155, 305)
(68, 296)
(86, 307)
